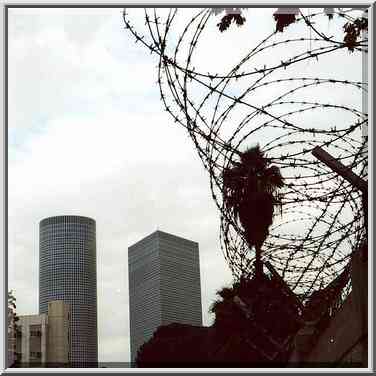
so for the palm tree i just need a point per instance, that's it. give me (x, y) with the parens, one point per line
(250, 192)
(12, 329)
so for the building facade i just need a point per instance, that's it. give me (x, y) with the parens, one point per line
(164, 285)
(67, 271)
(44, 339)
(32, 340)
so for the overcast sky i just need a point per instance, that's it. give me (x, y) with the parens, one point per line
(88, 136)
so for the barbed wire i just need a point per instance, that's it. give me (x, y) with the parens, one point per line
(266, 98)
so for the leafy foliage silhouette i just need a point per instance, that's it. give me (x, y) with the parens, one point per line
(283, 20)
(228, 18)
(287, 16)
(353, 31)
(254, 326)
(12, 327)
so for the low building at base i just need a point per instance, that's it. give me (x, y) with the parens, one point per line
(44, 340)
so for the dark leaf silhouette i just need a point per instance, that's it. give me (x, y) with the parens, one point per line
(239, 19)
(283, 20)
(228, 18)
(352, 32)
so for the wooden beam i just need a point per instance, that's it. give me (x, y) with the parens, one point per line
(340, 169)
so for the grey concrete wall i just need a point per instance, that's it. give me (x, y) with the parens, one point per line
(346, 337)
(58, 332)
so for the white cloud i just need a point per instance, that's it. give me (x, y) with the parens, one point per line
(52, 73)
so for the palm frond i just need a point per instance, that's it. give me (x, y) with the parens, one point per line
(250, 192)
(254, 158)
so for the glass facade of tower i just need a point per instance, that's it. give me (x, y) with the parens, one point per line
(164, 285)
(67, 271)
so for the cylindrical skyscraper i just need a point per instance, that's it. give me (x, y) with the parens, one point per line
(67, 271)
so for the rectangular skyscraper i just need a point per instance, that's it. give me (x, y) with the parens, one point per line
(164, 285)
